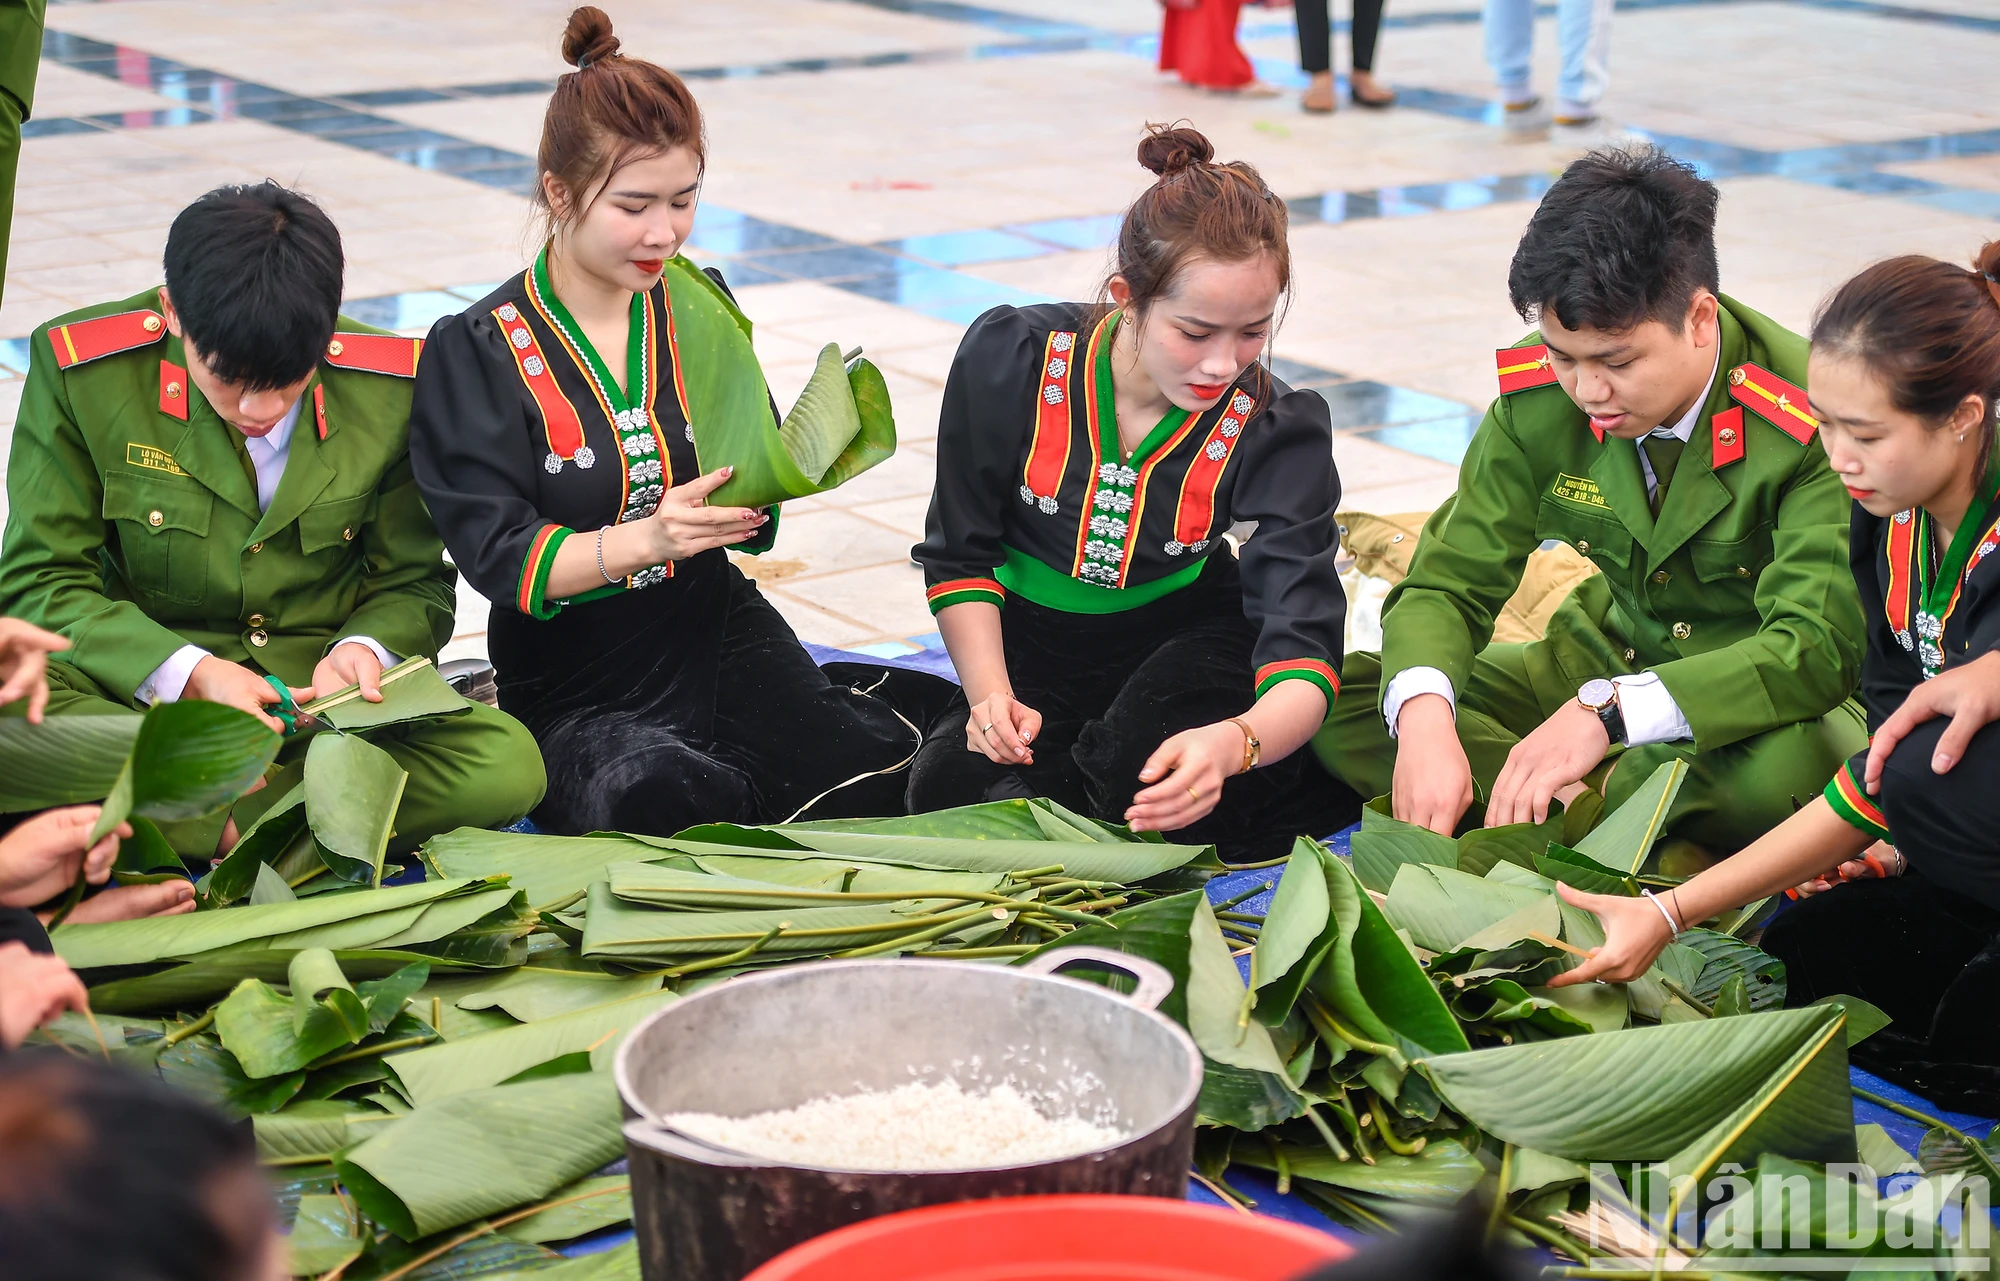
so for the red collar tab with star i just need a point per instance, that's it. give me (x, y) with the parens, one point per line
(1774, 400)
(1522, 368)
(375, 353)
(82, 341)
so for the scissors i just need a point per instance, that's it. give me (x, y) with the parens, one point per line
(287, 710)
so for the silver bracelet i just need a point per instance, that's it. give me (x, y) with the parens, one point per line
(1663, 912)
(600, 556)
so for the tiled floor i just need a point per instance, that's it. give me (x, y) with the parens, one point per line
(881, 171)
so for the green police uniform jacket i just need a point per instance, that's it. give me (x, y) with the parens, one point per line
(1738, 595)
(133, 526)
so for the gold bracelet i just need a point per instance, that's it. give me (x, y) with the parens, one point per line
(1252, 749)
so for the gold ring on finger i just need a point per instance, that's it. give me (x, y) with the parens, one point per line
(987, 728)
(1192, 794)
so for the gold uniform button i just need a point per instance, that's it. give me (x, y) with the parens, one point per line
(156, 518)
(1736, 376)
(256, 620)
(1631, 654)
(334, 348)
(1583, 545)
(1661, 576)
(255, 548)
(173, 391)
(348, 533)
(151, 324)
(1727, 435)
(1682, 631)
(259, 639)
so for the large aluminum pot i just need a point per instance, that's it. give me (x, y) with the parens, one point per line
(784, 1037)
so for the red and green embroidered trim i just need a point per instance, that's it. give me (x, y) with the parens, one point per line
(531, 595)
(1048, 452)
(1300, 669)
(960, 591)
(562, 427)
(1851, 801)
(1204, 475)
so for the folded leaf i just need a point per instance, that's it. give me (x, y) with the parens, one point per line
(1648, 1093)
(62, 761)
(326, 1234)
(1370, 979)
(476, 1062)
(352, 790)
(550, 870)
(616, 929)
(1626, 835)
(188, 759)
(411, 690)
(587, 1205)
(1439, 1175)
(1442, 907)
(163, 938)
(542, 989)
(484, 1151)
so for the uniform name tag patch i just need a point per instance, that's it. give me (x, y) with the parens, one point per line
(153, 458)
(1578, 489)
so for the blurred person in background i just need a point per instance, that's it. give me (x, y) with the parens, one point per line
(1198, 39)
(1583, 41)
(1316, 56)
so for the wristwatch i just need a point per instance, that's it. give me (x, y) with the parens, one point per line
(1601, 696)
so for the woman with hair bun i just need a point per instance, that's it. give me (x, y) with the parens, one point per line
(1905, 378)
(1117, 654)
(557, 433)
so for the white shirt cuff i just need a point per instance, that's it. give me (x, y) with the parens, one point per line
(382, 655)
(169, 680)
(1651, 714)
(1409, 683)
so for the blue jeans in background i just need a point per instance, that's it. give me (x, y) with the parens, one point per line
(1583, 34)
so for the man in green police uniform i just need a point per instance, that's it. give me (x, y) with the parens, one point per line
(20, 59)
(211, 481)
(1658, 428)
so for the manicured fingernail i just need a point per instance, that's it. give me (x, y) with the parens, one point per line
(1940, 763)
(729, 471)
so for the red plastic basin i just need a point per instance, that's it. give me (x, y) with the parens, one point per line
(1060, 1238)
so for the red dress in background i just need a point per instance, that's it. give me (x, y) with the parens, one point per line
(1200, 43)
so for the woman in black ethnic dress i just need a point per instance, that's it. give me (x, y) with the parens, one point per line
(1117, 655)
(551, 437)
(1905, 380)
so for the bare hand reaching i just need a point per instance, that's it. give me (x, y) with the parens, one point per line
(24, 664)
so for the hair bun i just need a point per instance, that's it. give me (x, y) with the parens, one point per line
(1987, 264)
(587, 38)
(1168, 149)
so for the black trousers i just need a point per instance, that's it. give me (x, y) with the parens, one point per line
(1928, 957)
(1925, 946)
(693, 702)
(1111, 688)
(1316, 34)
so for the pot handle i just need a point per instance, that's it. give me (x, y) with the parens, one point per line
(1154, 981)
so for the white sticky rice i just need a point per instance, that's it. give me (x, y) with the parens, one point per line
(912, 1127)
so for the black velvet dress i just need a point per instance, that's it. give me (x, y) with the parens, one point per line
(679, 695)
(1925, 946)
(1125, 616)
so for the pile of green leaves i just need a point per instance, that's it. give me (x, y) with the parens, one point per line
(425, 1065)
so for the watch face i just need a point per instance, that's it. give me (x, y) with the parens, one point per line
(1597, 694)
